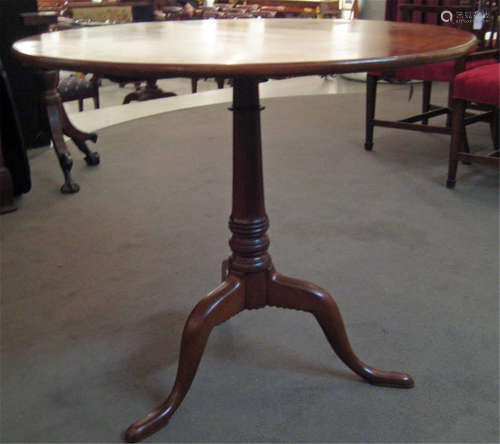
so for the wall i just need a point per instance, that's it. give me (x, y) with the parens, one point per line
(372, 9)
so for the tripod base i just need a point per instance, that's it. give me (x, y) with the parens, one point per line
(255, 290)
(249, 280)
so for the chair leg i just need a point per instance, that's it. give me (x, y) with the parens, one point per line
(220, 82)
(80, 105)
(449, 116)
(494, 129)
(464, 144)
(55, 109)
(371, 95)
(194, 84)
(96, 100)
(426, 99)
(457, 139)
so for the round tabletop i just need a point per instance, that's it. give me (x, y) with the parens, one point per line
(245, 47)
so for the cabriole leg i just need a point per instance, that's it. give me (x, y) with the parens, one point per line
(223, 303)
(291, 293)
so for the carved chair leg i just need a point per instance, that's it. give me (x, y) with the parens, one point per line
(223, 303)
(79, 138)
(71, 131)
(371, 96)
(286, 292)
(61, 150)
(53, 106)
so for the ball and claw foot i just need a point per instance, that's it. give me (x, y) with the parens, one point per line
(70, 188)
(92, 158)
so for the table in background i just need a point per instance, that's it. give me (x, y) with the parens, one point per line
(125, 11)
(319, 8)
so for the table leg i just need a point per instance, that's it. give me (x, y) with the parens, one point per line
(60, 125)
(286, 292)
(250, 280)
(224, 302)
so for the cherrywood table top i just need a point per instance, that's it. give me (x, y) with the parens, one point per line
(247, 47)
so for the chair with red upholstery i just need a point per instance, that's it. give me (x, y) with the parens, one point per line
(480, 86)
(477, 16)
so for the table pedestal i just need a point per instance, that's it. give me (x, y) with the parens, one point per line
(60, 125)
(251, 281)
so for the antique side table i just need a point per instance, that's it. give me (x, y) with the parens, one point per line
(248, 51)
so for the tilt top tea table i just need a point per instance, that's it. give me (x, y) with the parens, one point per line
(248, 51)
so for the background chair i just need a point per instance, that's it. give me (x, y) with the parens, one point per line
(79, 87)
(480, 86)
(464, 15)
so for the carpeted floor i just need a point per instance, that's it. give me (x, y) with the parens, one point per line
(96, 286)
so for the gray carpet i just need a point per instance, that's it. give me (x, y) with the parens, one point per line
(96, 286)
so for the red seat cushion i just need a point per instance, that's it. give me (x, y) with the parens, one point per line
(479, 85)
(437, 72)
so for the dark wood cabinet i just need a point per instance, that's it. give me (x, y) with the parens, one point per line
(15, 176)
(21, 122)
(23, 82)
